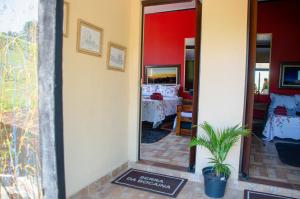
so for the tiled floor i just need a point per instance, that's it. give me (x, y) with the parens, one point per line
(265, 164)
(191, 190)
(171, 150)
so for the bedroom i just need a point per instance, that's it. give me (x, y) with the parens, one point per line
(275, 144)
(167, 85)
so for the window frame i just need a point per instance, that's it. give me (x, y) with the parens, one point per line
(50, 43)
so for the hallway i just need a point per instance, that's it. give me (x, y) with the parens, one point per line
(193, 189)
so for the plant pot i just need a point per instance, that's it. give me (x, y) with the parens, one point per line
(214, 186)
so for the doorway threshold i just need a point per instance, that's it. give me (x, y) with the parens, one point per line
(271, 183)
(163, 165)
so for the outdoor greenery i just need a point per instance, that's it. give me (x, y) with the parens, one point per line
(219, 142)
(19, 140)
(18, 58)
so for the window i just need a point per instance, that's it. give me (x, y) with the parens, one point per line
(24, 117)
(262, 72)
(262, 67)
(19, 132)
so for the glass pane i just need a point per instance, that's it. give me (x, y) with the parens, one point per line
(262, 65)
(189, 75)
(189, 64)
(19, 133)
(262, 82)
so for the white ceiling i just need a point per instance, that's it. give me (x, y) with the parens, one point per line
(169, 7)
(174, 6)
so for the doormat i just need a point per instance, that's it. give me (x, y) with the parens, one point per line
(287, 153)
(151, 182)
(259, 195)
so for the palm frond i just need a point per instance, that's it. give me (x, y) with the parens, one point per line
(201, 141)
(219, 142)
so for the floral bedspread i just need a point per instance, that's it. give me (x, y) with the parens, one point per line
(282, 127)
(156, 110)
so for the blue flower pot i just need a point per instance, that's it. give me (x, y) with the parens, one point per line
(214, 186)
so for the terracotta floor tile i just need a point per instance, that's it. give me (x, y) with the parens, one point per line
(265, 164)
(191, 190)
(171, 149)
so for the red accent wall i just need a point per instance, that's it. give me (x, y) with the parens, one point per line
(164, 35)
(282, 19)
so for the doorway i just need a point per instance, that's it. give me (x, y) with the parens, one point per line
(266, 152)
(169, 83)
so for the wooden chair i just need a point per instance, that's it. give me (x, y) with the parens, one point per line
(184, 119)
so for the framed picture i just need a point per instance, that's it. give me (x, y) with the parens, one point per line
(290, 75)
(116, 57)
(66, 19)
(162, 74)
(89, 38)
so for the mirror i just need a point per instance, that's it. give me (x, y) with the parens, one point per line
(262, 66)
(189, 60)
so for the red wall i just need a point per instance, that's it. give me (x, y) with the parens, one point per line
(282, 19)
(164, 35)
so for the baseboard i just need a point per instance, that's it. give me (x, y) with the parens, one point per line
(93, 187)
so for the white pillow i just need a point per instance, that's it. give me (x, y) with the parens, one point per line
(287, 101)
(169, 91)
(297, 98)
(149, 89)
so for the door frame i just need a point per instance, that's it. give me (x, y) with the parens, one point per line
(249, 96)
(198, 7)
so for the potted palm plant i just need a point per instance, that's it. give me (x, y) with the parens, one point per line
(218, 142)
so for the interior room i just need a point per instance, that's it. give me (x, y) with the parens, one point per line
(276, 123)
(167, 87)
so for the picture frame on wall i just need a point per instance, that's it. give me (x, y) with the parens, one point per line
(290, 75)
(66, 19)
(116, 57)
(162, 74)
(89, 38)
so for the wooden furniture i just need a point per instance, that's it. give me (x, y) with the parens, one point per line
(184, 119)
(260, 111)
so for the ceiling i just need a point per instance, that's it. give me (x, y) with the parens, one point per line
(169, 7)
(265, 0)
(177, 6)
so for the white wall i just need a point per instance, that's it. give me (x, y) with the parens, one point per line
(222, 79)
(223, 67)
(96, 100)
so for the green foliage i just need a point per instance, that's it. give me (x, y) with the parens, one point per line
(18, 73)
(19, 138)
(219, 142)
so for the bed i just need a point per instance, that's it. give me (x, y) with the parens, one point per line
(283, 126)
(155, 111)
